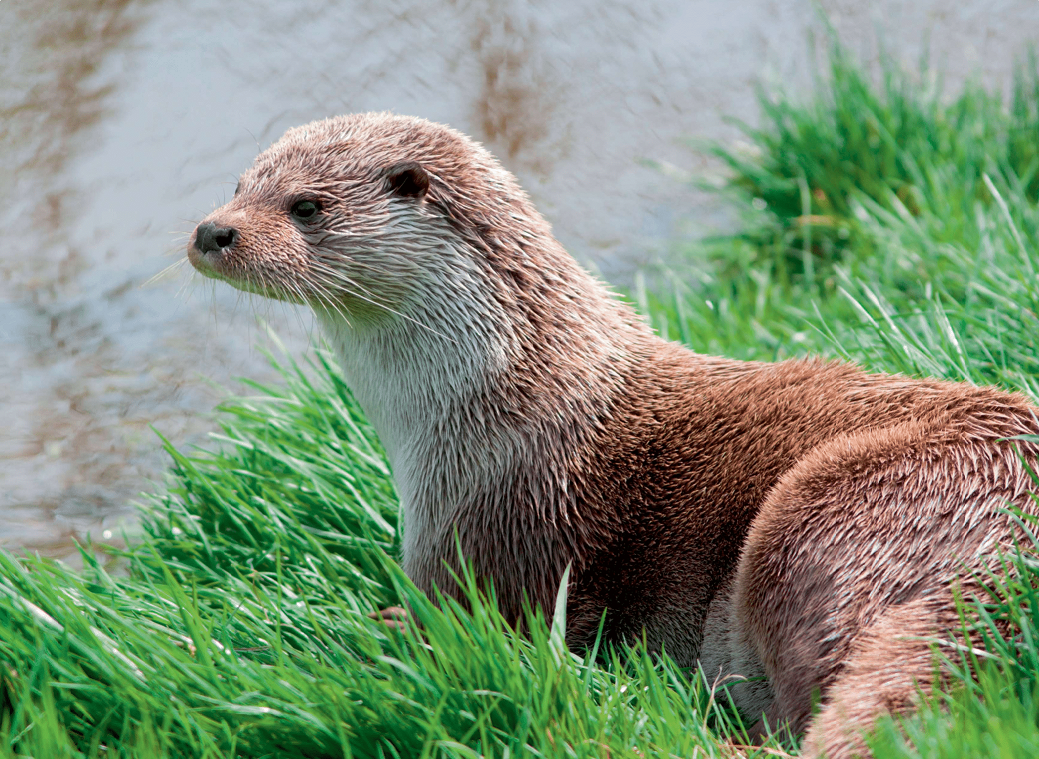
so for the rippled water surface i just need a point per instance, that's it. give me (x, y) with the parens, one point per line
(123, 123)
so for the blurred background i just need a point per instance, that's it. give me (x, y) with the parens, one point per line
(123, 123)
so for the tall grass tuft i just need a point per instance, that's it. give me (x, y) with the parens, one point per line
(898, 143)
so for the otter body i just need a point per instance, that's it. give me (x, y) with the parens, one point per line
(801, 523)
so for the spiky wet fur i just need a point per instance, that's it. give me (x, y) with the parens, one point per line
(802, 522)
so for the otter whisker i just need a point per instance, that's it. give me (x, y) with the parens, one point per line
(330, 267)
(267, 302)
(328, 305)
(307, 328)
(338, 281)
(328, 302)
(325, 297)
(285, 290)
(394, 311)
(166, 270)
(341, 277)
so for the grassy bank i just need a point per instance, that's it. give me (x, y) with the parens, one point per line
(884, 224)
(243, 628)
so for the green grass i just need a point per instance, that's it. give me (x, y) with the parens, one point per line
(898, 230)
(242, 628)
(894, 138)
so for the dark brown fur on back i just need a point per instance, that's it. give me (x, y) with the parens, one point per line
(802, 523)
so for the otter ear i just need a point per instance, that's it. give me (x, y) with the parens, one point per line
(408, 180)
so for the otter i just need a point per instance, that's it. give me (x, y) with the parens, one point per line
(804, 525)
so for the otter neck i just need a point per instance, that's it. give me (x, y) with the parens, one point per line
(470, 399)
(411, 382)
(425, 382)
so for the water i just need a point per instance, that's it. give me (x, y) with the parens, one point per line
(124, 123)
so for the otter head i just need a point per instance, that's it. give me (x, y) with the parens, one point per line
(374, 218)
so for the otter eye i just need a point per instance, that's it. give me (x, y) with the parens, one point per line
(305, 209)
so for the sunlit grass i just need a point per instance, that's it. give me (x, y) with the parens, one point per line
(242, 629)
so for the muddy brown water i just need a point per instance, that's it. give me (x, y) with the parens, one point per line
(122, 123)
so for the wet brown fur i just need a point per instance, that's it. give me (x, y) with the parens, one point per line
(800, 521)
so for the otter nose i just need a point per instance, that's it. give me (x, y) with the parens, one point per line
(209, 238)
